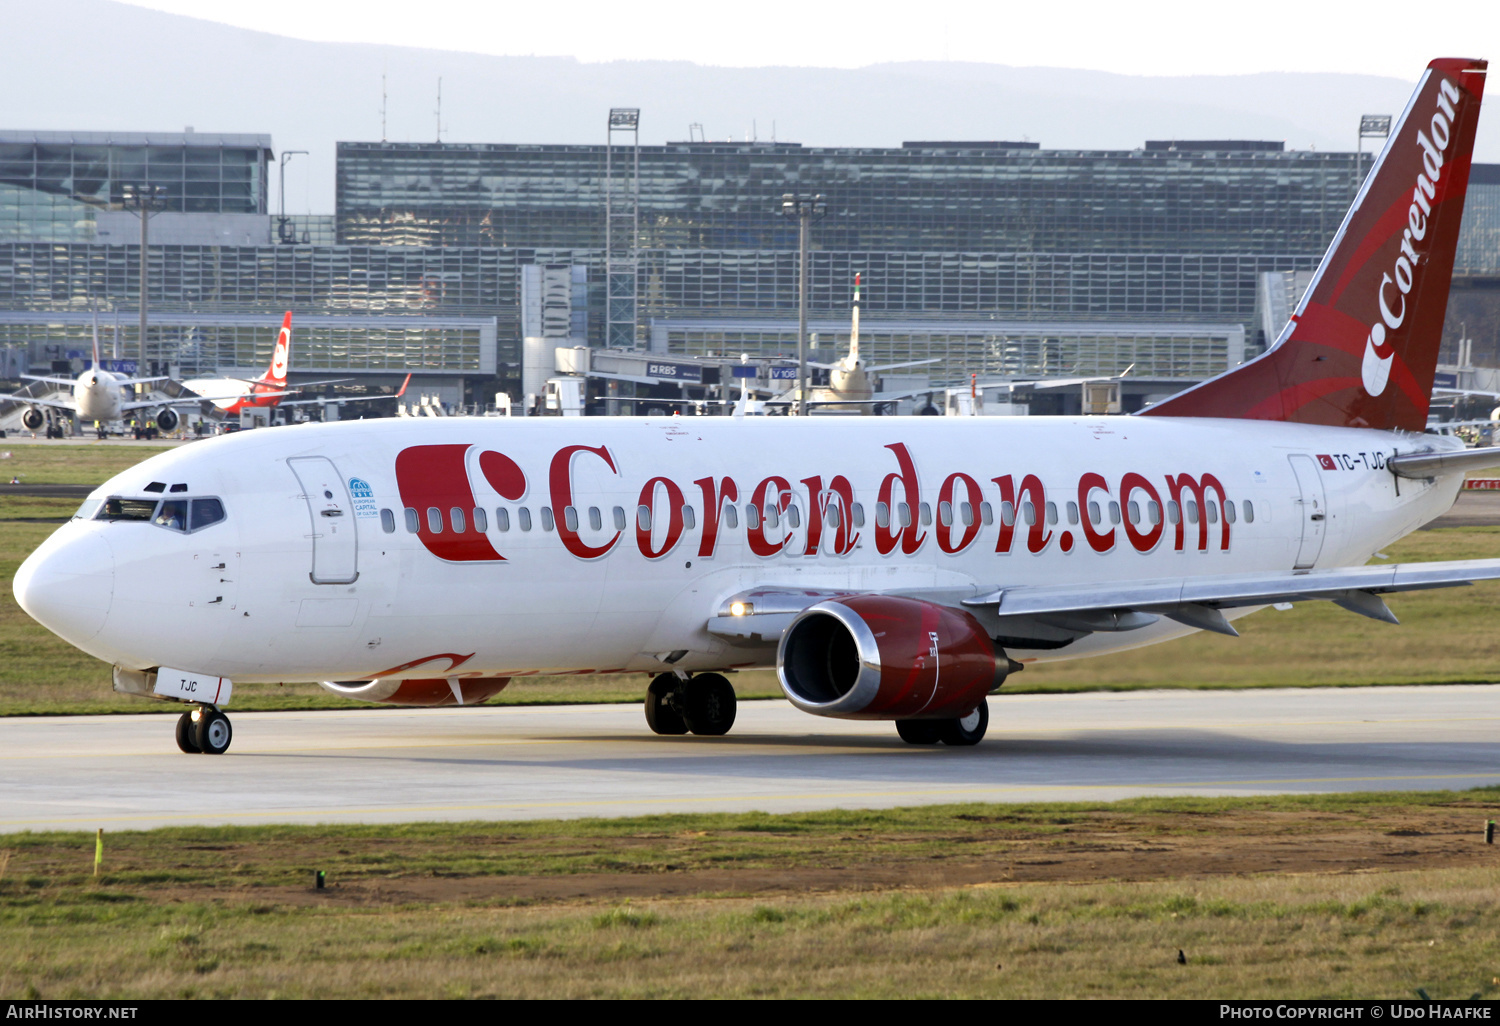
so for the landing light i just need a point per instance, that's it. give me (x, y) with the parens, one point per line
(741, 609)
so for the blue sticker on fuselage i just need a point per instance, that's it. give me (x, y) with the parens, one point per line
(364, 498)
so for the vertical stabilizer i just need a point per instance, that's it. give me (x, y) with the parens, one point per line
(281, 355)
(854, 327)
(1362, 348)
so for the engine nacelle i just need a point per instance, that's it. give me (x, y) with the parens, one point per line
(33, 418)
(423, 691)
(879, 657)
(166, 419)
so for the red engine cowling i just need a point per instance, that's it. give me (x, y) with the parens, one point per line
(879, 657)
(423, 691)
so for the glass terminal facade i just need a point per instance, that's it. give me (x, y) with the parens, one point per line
(53, 183)
(921, 197)
(991, 258)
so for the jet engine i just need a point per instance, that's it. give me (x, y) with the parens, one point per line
(33, 418)
(166, 419)
(419, 690)
(880, 657)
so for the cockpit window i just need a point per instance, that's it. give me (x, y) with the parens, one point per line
(88, 509)
(206, 511)
(116, 508)
(172, 515)
(184, 514)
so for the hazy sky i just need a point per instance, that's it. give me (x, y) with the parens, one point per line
(1159, 37)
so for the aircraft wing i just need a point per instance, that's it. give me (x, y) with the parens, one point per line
(760, 616)
(57, 404)
(908, 363)
(324, 401)
(1425, 464)
(69, 382)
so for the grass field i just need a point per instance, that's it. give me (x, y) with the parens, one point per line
(65, 463)
(1373, 896)
(1447, 636)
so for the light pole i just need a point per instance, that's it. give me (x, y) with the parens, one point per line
(143, 200)
(805, 209)
(1371, 126)
(281, 233)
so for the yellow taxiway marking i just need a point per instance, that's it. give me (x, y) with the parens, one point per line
(279, 815)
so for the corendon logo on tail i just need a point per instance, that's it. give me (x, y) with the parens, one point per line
(1397, 283)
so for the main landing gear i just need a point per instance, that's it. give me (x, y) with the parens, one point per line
(203, 730)
(964, 731)
(703, 704)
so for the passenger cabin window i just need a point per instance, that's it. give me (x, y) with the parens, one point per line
(752, 516)
(434, 520)
(547, 524)
(882, 515)
(945, 514)
(502, 518)
(1008, 514)
(732, 517)
(986, 514)
(1051, 512)
(859, 515)
(773, 516)
(643, 518)
(1249, 512)
(1114, 512)
(619, 514)
(1229, 511)
(966, 514)
(689, 517)
(456, 519)
(523, 517)
(925, 510)
(1072, 512)
(832, 517)
(387, 521)
(1173, 514)
(793, 514)
(903, 514)
(596, 521)
(1028, 513)
(481, 520)
(570, 517)
(1153, 512)
(412, 524)
(1132, 510)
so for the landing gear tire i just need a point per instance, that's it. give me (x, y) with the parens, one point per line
(661, 716)
(920, 732)
(967, 730)
(187, 734)
(214, 733)
(709, 705)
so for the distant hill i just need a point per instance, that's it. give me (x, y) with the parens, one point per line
(98, 65)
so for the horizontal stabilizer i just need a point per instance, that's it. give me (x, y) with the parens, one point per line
(1426, 464)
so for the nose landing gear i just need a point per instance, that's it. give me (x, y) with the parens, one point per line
(204, 730)
(704, 704)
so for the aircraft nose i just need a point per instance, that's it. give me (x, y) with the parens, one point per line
(67, 585)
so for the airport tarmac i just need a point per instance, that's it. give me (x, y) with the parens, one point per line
(395, 765)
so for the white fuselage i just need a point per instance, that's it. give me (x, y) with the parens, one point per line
(96, 396)
(241, 598)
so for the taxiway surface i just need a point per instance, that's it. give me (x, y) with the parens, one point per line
(389, 765)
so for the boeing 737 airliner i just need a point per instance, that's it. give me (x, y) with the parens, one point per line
(888, 568)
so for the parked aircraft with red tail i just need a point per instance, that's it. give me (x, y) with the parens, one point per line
(888, 568)
(235, 395)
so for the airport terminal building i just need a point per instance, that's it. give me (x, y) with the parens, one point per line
(993, 258)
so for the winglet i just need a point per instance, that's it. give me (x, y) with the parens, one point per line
(402, 392)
